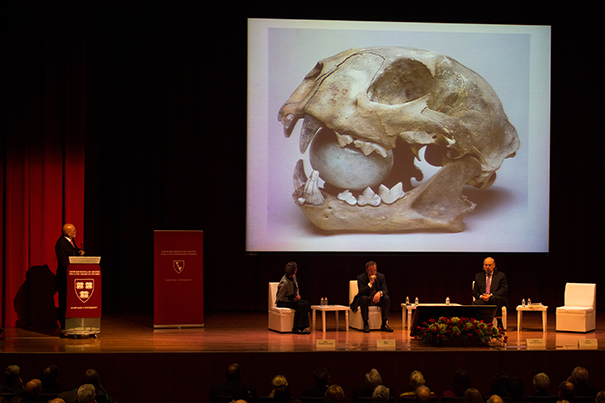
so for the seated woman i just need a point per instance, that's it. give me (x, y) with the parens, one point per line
(288, 296)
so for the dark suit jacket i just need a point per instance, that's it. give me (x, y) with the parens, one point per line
(64, 249)
(362, 283)
(498, 289)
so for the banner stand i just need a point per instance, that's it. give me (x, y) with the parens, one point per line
(178, 259)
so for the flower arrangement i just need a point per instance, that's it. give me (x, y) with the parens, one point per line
(464, 330)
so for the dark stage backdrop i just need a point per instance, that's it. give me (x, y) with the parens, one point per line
(163, 89)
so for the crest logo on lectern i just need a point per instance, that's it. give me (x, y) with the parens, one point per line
(84, 288)
(178, 266)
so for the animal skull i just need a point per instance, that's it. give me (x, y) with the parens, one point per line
(367, 114)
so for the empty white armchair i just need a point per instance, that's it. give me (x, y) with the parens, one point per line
(579, 313)
(280, 319)
(355, 319)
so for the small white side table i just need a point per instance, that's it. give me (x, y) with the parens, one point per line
(532, 308)
(330, 308)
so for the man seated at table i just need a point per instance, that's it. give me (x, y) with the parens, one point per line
(491, 288)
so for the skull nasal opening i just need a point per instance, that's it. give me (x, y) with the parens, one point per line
(403, 81)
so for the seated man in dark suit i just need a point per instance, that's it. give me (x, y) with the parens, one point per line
(491, 288)
(372, 291)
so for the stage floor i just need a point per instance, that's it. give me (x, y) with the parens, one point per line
(247, 332)
(141, 364)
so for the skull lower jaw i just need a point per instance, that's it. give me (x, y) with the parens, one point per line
(437, 204)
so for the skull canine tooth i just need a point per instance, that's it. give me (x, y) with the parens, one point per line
(299, 177)
(348, 197)
(390, 196)
(311, 193)
(310, 128)
(369, 197)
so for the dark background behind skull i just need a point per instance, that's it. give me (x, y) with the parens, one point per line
(166, 94)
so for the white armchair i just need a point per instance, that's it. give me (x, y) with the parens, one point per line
(355, 319)
(579, 312)
(280, 319)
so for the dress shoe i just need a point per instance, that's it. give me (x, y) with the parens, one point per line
(301, 331)
(386, 328)
(366, 328)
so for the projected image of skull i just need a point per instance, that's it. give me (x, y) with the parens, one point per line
(367, 115)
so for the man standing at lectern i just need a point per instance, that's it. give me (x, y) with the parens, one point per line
(64, 248)
(491, 288)
(372, 291)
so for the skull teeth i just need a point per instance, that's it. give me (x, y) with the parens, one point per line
(390, 196)
(309, 193)
(343, 139)
(367, 148)
(347, 196)
(312, 126)
(369, 197)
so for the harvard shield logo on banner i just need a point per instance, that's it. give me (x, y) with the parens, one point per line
(178, 266)
(84, 288)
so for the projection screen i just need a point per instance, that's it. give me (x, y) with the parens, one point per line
(466, 105)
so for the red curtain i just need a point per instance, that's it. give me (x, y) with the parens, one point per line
(43, 165)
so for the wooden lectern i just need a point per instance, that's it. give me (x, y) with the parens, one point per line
(83, 309)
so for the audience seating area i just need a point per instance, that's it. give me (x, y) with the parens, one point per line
(49, 386)
(508, 388)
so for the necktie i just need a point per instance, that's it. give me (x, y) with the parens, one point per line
(488, 284)
(373, 291)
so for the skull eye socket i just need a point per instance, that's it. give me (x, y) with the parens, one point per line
(403, 81)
